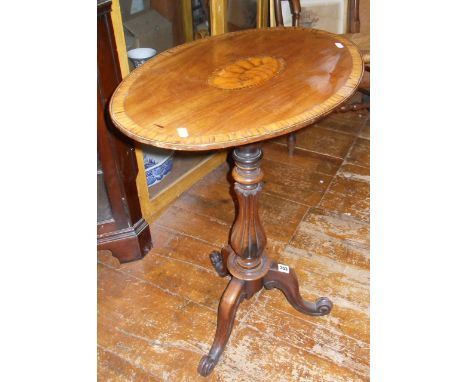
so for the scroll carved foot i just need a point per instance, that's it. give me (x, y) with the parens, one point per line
(232, 297)
(219, 261)
(286, 281)
(206, 365)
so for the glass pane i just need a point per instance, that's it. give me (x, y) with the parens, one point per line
(162, 24)
(150, 27)
(328, 15)
(241, 14)
(201, 18)
(104, 212)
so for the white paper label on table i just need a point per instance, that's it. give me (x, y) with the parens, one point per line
(182, 131)
(283, 268)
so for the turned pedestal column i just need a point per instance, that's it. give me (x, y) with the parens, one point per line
(245, 259)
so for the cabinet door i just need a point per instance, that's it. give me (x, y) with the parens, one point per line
(160, 25)
(120, 227)
(246, 14)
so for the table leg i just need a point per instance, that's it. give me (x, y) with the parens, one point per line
(232, 297)
(244, 259)
(285, 279)
(291, 143)
(219, 260)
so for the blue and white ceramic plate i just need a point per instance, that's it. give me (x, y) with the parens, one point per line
(158, 163)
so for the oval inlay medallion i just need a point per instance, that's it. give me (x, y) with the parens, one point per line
(246, 72)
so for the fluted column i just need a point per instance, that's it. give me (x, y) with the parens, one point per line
(248, 237)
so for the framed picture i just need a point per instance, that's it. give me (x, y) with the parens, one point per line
(328, 15)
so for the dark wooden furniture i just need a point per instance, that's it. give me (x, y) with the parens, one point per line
(120, 226)
(362, 40)
(236, 90)
(295, 6)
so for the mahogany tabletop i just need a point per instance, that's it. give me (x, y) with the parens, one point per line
(236, 88)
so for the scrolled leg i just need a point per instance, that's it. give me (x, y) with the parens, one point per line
(286, 281)
(232, 297)
(219, 260)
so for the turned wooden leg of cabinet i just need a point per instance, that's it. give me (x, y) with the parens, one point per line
(291, 144)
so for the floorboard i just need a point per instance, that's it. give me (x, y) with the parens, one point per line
(157, 316)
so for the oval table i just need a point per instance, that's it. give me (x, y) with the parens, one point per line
(236, 90)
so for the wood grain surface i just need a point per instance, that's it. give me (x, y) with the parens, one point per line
(169, 102)
(157, 317)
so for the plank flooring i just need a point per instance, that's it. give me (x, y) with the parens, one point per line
(157, 316)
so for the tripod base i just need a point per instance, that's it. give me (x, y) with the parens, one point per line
(278, 276)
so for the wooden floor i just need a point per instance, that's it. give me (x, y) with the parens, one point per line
(157, 316)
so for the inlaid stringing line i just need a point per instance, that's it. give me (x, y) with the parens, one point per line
(135, 131)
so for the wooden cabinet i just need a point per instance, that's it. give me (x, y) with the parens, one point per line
(120, 225)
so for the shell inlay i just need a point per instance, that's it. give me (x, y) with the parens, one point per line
(246, 72)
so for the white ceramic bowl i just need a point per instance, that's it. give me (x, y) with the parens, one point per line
(139, 56)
